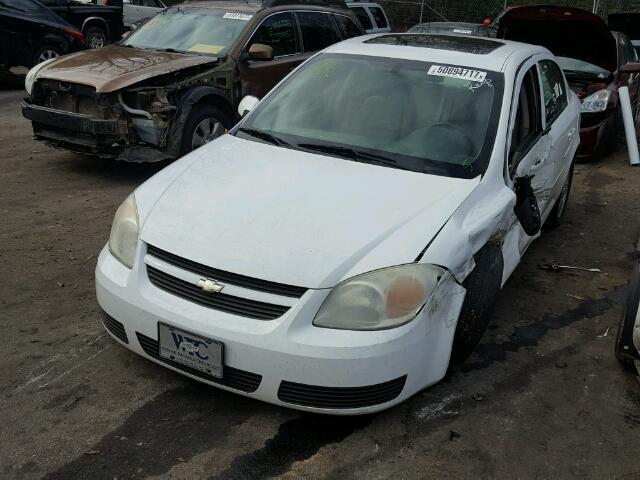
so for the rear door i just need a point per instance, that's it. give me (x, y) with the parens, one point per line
(279, 32)
(561, 124)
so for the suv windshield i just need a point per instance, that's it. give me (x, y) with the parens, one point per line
(400, 113)
(190, 30)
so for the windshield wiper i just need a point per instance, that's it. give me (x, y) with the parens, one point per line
(266, 136)
(353, 154)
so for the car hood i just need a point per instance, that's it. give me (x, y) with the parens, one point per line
(294, 217)
(114, 67)
(565, 31)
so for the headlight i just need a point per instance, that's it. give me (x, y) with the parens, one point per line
(124, 232)
(378, 300)
(596, 102)
(32, 74)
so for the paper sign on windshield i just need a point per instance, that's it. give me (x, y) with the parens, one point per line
(237, 16)
(457, 72)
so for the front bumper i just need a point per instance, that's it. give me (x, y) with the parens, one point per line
(296, 364)
(82, 133)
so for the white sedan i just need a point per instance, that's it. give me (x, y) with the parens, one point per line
(346, 241)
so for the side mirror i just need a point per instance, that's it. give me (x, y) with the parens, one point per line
(247, 104)
(631, 68)
(259, 51)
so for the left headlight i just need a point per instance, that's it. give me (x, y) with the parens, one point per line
(124, 232)
(379, 300)
(596, 102)
(32, 74)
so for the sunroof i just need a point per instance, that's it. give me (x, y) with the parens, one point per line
(478, 46)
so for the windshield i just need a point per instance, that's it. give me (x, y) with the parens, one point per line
(406, 114)
(572, 65)
(190, 30)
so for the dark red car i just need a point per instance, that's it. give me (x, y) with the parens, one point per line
(595, 61)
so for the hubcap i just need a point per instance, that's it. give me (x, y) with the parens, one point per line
(207, 130)
(96, 40)
(47, 54)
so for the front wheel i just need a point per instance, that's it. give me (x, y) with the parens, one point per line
(96, 37)
(46, 52)
(204, 124)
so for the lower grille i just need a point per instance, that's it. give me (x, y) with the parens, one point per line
(340, 397)
(232, 377)
(114, 327)
(219, 301)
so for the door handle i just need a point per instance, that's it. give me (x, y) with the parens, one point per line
(571, 133)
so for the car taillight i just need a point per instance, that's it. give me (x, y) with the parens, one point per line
(75, 34)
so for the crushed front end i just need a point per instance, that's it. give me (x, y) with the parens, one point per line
(131, 125)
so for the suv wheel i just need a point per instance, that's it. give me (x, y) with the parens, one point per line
(204, 124)
(46, 52)
(96, 37)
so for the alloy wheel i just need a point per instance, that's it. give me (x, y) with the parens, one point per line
(207, 130)
(47, 55)
(96, 40)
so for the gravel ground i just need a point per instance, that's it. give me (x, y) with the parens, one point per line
(542, 397)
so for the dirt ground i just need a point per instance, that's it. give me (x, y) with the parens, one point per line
(543, 396)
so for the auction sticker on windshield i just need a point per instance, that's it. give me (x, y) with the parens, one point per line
(237, 16)
(457, 72)
(190, 349)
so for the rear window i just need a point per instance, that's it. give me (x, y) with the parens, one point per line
(318, 30)
(347, 26)
(378, 16)
(363, 17)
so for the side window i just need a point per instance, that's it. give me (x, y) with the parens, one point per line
(379, 17)
(347, 26)
(528, 121)
(363, 17)
(553, 90)
(318, 30)
(278, 32)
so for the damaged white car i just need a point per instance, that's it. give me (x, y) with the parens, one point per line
(346, 241)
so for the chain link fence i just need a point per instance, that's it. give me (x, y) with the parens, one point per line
(406, 13)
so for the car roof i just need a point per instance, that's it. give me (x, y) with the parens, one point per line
(257, 5)
(478, 52)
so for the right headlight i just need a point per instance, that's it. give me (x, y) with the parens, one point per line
(381, 299)
(32, 74)
(596, 102)
(124, 232)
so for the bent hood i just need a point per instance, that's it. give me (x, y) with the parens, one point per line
(565, 31)
(294, 217)
(114, 67)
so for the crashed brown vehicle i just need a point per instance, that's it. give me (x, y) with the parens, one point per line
(175, 83)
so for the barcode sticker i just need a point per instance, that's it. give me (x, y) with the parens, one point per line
(237, 16)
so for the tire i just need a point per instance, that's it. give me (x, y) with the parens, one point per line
(95, 37)
(626, 353)
(557, 213)
(46, 52)
(196, 122)
(482, 285)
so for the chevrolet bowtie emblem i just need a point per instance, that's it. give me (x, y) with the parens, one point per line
(210, 286)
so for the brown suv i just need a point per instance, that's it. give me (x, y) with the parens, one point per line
(174, 84)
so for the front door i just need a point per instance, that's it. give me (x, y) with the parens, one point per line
(278, 31)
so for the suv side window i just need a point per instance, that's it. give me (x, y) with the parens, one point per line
(347, 26)
(554, 90)
(363, 17)
(278, 32)
(528, 122)
(379, 17)
(318, 30)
